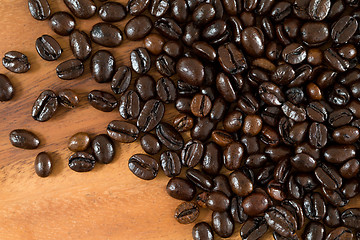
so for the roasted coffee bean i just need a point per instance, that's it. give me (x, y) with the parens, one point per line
(39, 9)
(351, 188)
(145, 87)
(254, 228)
(265, 175)
(232, 7)
(16, 62)
(169, 136)
(280, 10)
(296, 210)
(106, 34)
(140, 60)
(165, 65)
(276, 190)
(202, 129)
(270, 115)
(240, 183)
(307, 181)
(187, 212)
(173, 49)
(282, 170)
(136, 7)
(150, 144)
(166, 90)
(315, 33)
(303, 162)
(6, 88)
(62, 23)
(43, 164)
(102, 101)
(81, 8)
(233, 121)
(252, 125)
(150, 115)
(79, 142)
(48, 48)
(252, 39)
(269, 136)
(129, 105)
(255, 204)
(103, 149)
(159, 7)
(340, 233)
(277, 153)
(271, 94)
(294, 53)
(218, 109)
(25, 139)
(346, 135)
(121, 80)
(138, 28)
(45, 106)
(223, 224)
(233, 155)
(295, 95)
(80, 45)
(281, 220)
(298, 114)
(200, 105)
(203, 14)
(218, 201)
(122, 131)
(316, 112)
(170, 163)
(328, 176)
(335, 197)
(204, 50)
(102, 66)
(70, 69)
(318, 135)
(314, 56)
(191, 34)
(183, 122)
(350, 168)
(335, 60)
(340, 117)
(183, 105)
(318, 10)
(339, 153)
(237, 210)
(112, 12)
(199, 179)
(344, 29)
(350, 218)
(168, 28)
(283, 74)
(332, 218)
(81, 162)
(222, 138)
(231, 59)
(181, 189)
(186, 89)
(226, 88)
(202, 231)
(221, 183)
(154, 43)
(212, 160)
(339, 95)
(179, 10)
(314, 206)
(314, 230)
(190, 70)
(192, 153)
(143, 166)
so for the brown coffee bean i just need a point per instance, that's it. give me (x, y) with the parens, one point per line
(79, 142)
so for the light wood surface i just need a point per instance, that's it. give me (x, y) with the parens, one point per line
(106, 203)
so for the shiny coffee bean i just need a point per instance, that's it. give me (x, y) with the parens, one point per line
(43, 164)
(102, 101)
(103, 149)
(102, 66)
(122, 131)
(168, 28)
(202, 231)
(170, 163)
(190, 70)
(154, 43)
(138, 27)
(16, 62)
(340, 233)
(187, 212)
(314, 206)
(255, 204)
(350, 168)
(192, 153)
(181, 189)
(136, 7)
(183, 122)
(112, 12)
(254, 228)
(81, 162)
(62, 23)
(223, 224)
(6, 88)
(166, 90)
(169, 137)
(70, 69)
(143, 166)
(231, 59)
(80, 45)
(202, 129)
(314, 230)
(240, 183)
(48, 48)
(25, 139)
(44, 106)
(79, 142)
(106, 34)
(140, 60)
(81, 8)
(332, 218)
(328, 176)
(339, 153)
(129, 105)
(200, 179)
(344, 29)
(281, 220)
(121, 80)
(340, 117)
(39, 9)
(145, 87)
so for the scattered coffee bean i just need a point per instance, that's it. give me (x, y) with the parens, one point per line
(43, 164)
(25, 139)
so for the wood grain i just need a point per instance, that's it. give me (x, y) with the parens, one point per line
(106, 203)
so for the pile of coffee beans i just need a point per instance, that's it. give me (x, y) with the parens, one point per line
(268, 92)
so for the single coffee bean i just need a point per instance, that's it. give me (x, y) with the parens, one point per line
(81, 8)
(350, 217)
(240, 183)
(129, 105)
(170, 163)
(295, 95)
(255, 204)
(62, 23)
(252, 39)
(248, 103)
(39, 9)
(335, 197)
(340, 117)
(223, 224)
(218, 201)
(168, 28)
(138, 28)
(346, 135)
(140, 60)
(314, 33)
(186, 212)
(226, 87)
(68, 98)
(102, 66)
(233, 155)
(103, 149)
(154, 43)
(281, 220)
(181, 189)
(190, 70)
(112, 12)
(200, 105)
(204, 50)
(303, 162)
(143, 166)
(318, 135)
(332, 218)
(80, 45)
(335, 60)
(276, 190)
(344, 29)
(314, 206)
(25, 139)
(169, 136)
(81, 162)
(350, 168)
(202, 231)
(218, 109)
(252, 125)
(318, 10)
(43, 164)
(254, 228)
(106, 34)
(6, 88)
(45, 106)
(122, 131)
(121, 80)
(296, 210)
(350, 189)
(281, 10)
(136, 7)
(212, 160)
(165, 65)
(192, 153)
(183, 122)
(191, 34)
(166, 90)
(79, 142)
(237, 210)
(340, 233)
(231, 59)
(200, 179)
(271, 94)
(48, 48)
(328, 176)
(102, 101)
(298, 114)
(159, 7)
(70, 69)
(316, 112)
(145, 87)
(339, 153)
(294, 53)
(151, 115)
(16, 62)
(314, 230)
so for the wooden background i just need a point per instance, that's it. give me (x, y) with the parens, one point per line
(106, 203)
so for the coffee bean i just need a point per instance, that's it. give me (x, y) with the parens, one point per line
(145, 87)
(166, 90)
(181, 189)
(39, 9)
(102, 66)
(121, 80)
(25, 139)
(44, 106)
(103, 149)
(212, 160)
(170, 163)
(281, 220)
(138, 27)
(6, 88)
(344, 29)
(48, 48)
(129, 105)
(62, 23)
(350, 168)
(200, 105)
(70, 69)
(339, 153)
(202, 231)
(318, 10)
(303, 162)
(43, 164)
(335, 197)
(340, 233)
(314, 33)
(255, 204)
(237, 210)
(231, 59)
(186, 213)
(102, 101)
(143, 166)
(318, 135)
(223, 224)
(271, 94)
(68, 98)
(293, 112)
(183, 105)
(253, 228)
(328, 176)
(294, 53)
(112, 12)
(80, 45)
(79, 142)
(192, 153)
(233, 155)
(136, 7)
(165, 65)
(168, 28)
(316, 112)
(335, 60)
(314, 230)
(173, 48)
(252, 125)
(280, 10)
(200, 179)
(106, 34)
(81, 162)
(159, 7)
(314, 206)
(349, 190)
(151, 115)
(240, 183)
(183, 122)
(122, 131)
(16, 62)
(226, 87)
(81, 8)
(169, 136)
(332, 218)
(190, 70)
(140, 60)
(276, 190)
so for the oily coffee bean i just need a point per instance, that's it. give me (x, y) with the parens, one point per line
(200, 179)
(138, 27)
(252, 39)
(307, 181)
(102, 66)
(103, 149)
(70, 69)
(151, 115)
(202, 231)
(62, 23)
(43, 164)
(271, 94)
(179, 10)
(280, 10)
(237, 210)
(79, 142)
(315, 33)
(298, 114)
(318, 10)
(233, 121)
(222, 138)
(318, 135)
(183, 105)
(203, 14)
(159, 7)
(240, 183)
(296, 210)
(80, 45)
(332, 218)
(143, 166)
(6, 88)
(283, 74)
(281, 220)
(223, 224)
(122, 131)
(328, 176)
(335, 60)
(169, 136)
(192, 153)
(191, 34)
(276, 190)
(170, 163)
(81, 162)
(200, 105)
(339, 153)
(340, 117)
(350, 189)
(314, 206)
(25, 139)
(316, 112)
(106, 34)
(295, 95)
(218, 202)
(44, 106)
(168, 28)
(233, 155)
(136, 7)
(294, 53)
(218, 109)
(339, 95)
(190, 70)
(231, 59)
(181, 189)
(140, 60)
(255, 204)
(121, 80)
(314, 230)
(344, 29)
(183, 122)
(102, 101)
(346, 135)
(350, 218)
(204, 50)
(112, 12)
(16, 62)
(187, 212)
(145, 87)
(48, 48)
(212, 160)
(303, 162)
(225, 87)
(39, 9)
(129, 105)
(203, 129)
(340, 233)
(173, 48)
(350, 168)
(81, 8)
(254, 228)
(68, 98)
(165, 65)
(166, 90)
(335, 197)
(186, 89)
(265, 175)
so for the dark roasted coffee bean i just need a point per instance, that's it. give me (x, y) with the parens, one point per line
(221, 183)
(25, 139)
(232, 7)
(346, 135)
(200, 105)
(138, 28)
(103, 149)
(223, 224)
(173, 49)
(344, 29)
(276, 190)
(314, 206)
(233, 121)
(191, 34)
(283, 74)
(165, 65)
(112, 12)
(212, 160)
(202, 129)
(202, 231)
(339, 153)
(218, 109)
(154, 43)
(199, 179)
(271, 94)
(183, 105)
(143, 166)
(253, 228)
(298, 114)
(39, 9)
(106, 34)
(316, 112)
(145, 87)
(335, 60)
(307, 181)
(350, 217)
(159, 7)
(231, 59)
(140, 60)
(237, 210)
(339, 95)
(181, 189)
(253, 42)
(255, 204)
(102, 101)
(70, 69)
(318, 135)
(280, 10)
(281, 220)
(183, 122)
(168, 28)
(102, 66)
(217, 201)
(122, 131)
(314, 33)
(281, 171)
(81, 162)
(136, 7)
(186, 89)
(240, 183)
(166, 90)
(295, 95)
(222, 138)
(179, 10)
(233, 155)
(121, 80)
(45, 106)
(81, 8)
(351, 188)
(294, 53)
(16, 62)
(303, 162)
(332, 218)
(296, 210)
(48, 48)
(350, 168)
(79, 142)
(204, 50)
(270, 115)
(170, 163)
(203, 14)
(340, 233)
(328, 176)
(129, 105)
(192, 153)
(314, 230)
(80, 45)
(225, 87)
(340, 117)
(187, 212)
(169, 136)
(190, 70)
(43, 164)
(6, 88)
(62, 23)
(335, 197)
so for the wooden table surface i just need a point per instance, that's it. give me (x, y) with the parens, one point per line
(107, 203)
